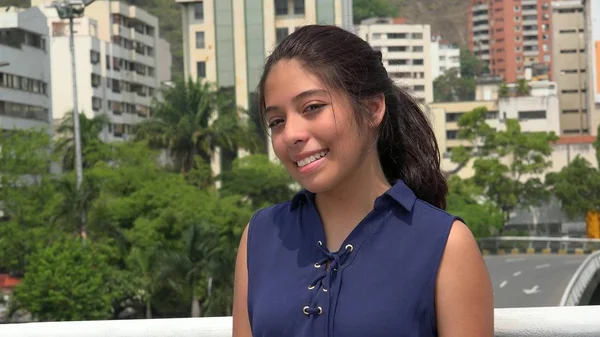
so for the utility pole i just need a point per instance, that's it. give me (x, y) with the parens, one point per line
(70, 9)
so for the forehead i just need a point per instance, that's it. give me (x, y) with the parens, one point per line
(287, 79)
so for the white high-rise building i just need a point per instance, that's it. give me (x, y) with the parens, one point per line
(444, 57)
(120, 64)
(406, 51)
(25, 94)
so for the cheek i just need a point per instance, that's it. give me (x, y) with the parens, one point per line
(279, 147)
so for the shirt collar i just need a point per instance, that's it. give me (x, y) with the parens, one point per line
(399, 192)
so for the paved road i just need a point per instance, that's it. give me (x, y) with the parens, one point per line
(530, 280)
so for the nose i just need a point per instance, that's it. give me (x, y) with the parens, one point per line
(295, 132)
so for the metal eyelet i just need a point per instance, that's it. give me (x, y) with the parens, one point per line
(325, 290)
(317, 265)
(319, 243)
(305, 310)
(349, 247)
(311, 287)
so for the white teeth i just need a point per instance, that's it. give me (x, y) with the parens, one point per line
(312, 158)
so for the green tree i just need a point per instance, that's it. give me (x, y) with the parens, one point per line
(66, 281)
(577, 186)
(508, 166)
(466, 200)
(473, 129)
(450, 87)
(93, 148)
(523, 88)
(470, 65)
(193, 120)
(503, 90)
(457, 85)
(27, 191)
(259, 179)
(364, 9)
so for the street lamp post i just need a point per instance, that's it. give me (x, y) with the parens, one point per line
(70, 9)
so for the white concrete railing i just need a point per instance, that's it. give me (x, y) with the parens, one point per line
(583, 283)
(581, 321)
(539, 244)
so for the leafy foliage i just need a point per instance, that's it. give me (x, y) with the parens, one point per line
(506, 163)
(364, 9)
(577, 186)
(68, 280)
(457, 85)
(187, 124)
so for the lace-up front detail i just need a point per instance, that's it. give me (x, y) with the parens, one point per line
(329, 265)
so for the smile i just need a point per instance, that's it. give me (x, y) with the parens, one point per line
(312, 158)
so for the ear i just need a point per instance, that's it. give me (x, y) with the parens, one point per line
(376, 107)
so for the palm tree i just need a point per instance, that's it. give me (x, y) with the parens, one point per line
(92, 147)
(193, 119)
(183, 270)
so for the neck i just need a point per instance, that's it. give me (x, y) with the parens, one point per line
(355, 196)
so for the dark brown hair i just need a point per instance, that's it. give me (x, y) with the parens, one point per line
(406, 143)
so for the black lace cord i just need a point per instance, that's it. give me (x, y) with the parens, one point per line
(334, 260)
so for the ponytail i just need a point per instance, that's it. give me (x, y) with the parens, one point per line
(408, 148)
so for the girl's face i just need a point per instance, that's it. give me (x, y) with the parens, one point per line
(313, 129)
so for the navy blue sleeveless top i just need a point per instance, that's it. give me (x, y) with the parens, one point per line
(381, 283)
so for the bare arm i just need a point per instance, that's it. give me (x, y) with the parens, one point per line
(464, 297)
(241, 322)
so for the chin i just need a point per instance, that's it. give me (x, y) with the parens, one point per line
(317, 184)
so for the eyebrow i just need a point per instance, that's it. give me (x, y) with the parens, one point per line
(300, 96)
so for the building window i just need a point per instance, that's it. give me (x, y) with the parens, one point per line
(199, 10)
(96, 103)
(417, 48)
(281, 7)
(96, 79)
(419, 88)
(200, 40)
(201, 69)
(453, 116)
(299, 7)
(398, 62)
(417, 36)
(397, 48)
(94, 57)
(535, 114)
(451, 134)
(396, 35)
(23, 111)
(417, 62)
(280, 34)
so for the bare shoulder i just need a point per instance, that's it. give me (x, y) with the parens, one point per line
(241, 323)
(464, 296)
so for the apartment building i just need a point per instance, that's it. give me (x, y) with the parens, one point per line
(536, 112)
(25, 91)
(512, 36)
(117, 54)
(226, 42)
(406, 51)
(444, 57)
(569, 65)
(592, 28)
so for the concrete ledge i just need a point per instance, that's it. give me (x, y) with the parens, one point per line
(523, 322)
(531, 251)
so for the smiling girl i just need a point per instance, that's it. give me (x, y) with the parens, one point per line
(365, 249)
